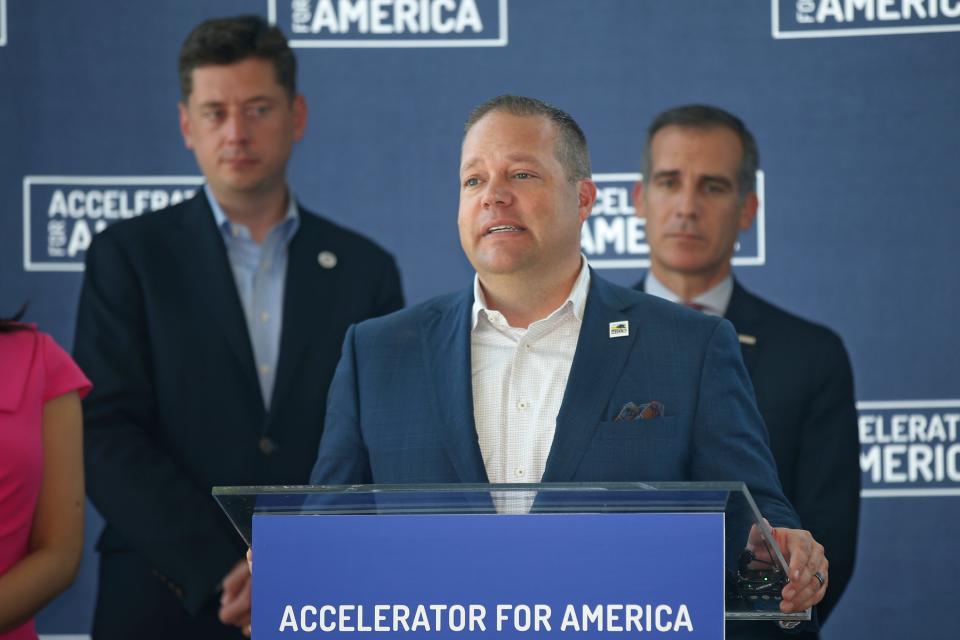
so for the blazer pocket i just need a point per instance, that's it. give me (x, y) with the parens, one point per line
(662, 428)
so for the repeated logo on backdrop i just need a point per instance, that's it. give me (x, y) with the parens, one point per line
(61, 214)
(910, 448)
(613, 237)
(391, 23)
(850, 18)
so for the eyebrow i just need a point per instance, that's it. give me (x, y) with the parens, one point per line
(669, 173)
(673, 173)
(724, 180)
(523, 157)
(514, 157)
(220, 103)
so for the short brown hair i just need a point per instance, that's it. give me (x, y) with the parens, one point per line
(229, 40)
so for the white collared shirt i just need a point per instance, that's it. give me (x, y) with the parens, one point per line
(519, 377)
(714, 301)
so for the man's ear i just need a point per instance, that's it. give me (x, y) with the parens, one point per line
(300, 113)
(587, 194)
(185, 125)
(748, 210)
(638, 199)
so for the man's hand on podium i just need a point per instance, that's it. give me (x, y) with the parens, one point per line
(235, 601)
(806, 580)
(808, 569)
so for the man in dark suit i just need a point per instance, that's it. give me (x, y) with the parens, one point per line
(697, 193)
(212, 330)
(543, 371)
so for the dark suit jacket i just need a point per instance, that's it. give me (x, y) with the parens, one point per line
(177, 407)
(804, 386)
(401, 408)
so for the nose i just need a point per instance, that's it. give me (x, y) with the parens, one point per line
(687, 203)
(496, 193)
(236, 127)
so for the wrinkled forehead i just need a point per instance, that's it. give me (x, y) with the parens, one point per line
(694, 145)
(502, 135)
(243, 79)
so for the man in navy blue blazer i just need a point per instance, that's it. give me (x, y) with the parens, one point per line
(542, 371)
(211, 331)
(698, 192)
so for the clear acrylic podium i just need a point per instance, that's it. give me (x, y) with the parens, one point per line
(753, 566)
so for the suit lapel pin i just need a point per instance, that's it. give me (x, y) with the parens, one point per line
(327, 259)
(620, 329)
(745, 339)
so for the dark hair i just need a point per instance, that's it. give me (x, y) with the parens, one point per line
(701, 116)
(571, 147)
(229, 40)
(13, 322)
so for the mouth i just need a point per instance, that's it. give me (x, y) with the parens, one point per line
(240, 162)
(688, 237)
(502, 228)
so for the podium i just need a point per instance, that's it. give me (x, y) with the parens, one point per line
(554, 560)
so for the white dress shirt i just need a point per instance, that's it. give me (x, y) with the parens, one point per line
(714, 301)
(519, 376)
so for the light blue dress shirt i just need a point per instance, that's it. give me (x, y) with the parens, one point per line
(260, 271)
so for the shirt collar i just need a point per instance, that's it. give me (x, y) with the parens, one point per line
(576, 300)
(714, 301)
(286, 228)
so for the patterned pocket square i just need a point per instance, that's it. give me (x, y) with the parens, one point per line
(631, 411)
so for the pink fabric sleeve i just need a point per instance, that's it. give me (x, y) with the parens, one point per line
(63, 374)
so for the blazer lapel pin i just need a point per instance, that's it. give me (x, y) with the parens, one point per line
(327, 259)
(620, 329)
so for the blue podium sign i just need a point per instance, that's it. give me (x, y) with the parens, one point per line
(489, 576)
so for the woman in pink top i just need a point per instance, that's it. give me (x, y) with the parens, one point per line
(41, 474)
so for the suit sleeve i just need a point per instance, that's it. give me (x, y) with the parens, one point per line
(827, 494)
(342, 457)
(731, 442)
(138, 488)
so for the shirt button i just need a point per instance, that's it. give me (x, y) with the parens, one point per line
(523, 404)
(528, 347)
(265, 369)
(519, 473)
(264, 317)
(267, 446)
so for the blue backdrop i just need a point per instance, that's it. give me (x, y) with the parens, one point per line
(854, 104)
